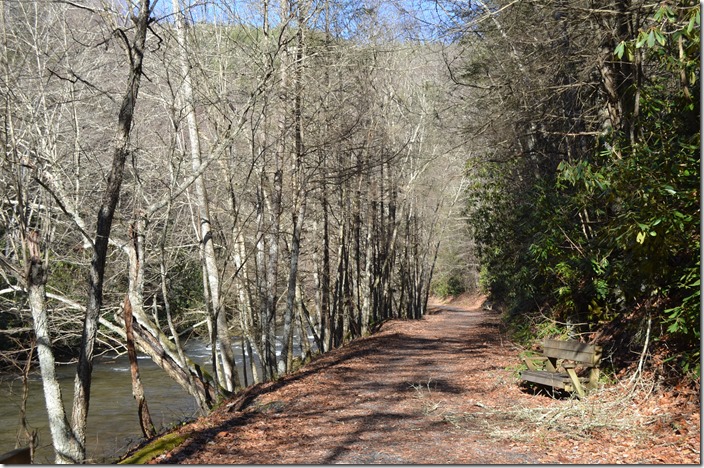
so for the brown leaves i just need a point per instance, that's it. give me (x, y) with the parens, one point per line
(439, 391)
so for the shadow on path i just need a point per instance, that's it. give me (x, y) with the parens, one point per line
(375, 400)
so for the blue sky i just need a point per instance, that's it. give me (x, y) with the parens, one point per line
(420, 18)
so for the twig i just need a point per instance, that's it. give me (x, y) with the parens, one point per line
(639, 370)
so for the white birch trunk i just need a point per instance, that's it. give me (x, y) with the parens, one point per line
(228, 379)
(66, 447)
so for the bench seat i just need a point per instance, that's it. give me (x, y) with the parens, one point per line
(553, 379)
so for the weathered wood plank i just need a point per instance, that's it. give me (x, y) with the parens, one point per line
(20, 456)
(552, 379)
(572, 350)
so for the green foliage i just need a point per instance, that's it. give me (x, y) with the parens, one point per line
(186, 285)
(448, 285)
(64, 275)
(660, 179)
(684, 317)
(615, 226)
(646, 244)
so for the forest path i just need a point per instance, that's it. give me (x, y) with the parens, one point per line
(434, 391)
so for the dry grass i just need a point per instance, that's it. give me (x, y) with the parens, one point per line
(622, 408)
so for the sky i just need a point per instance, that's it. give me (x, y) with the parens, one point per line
(419, 19)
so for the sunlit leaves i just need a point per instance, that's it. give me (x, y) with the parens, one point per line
(614, 226)
(673, 28)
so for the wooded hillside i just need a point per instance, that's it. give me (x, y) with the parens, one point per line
(585, 201)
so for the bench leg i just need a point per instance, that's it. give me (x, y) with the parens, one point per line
(531, 361)
(575, 382)
(593, 378)
(551, 364)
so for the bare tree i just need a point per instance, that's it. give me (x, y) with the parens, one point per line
(221, 332)
(135, 49)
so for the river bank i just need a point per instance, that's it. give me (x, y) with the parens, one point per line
(440, 390)
(112, 421)
(113, 426)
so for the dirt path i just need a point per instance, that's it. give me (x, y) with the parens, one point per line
(436, 391)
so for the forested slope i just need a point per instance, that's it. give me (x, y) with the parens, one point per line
(585, 171)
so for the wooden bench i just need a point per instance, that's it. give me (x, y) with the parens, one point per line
(557, 367)
(20, 456)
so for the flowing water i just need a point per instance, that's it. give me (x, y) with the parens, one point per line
(112, 419)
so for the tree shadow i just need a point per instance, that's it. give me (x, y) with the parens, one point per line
(410, 356)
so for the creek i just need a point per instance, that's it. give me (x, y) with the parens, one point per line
(112, 418)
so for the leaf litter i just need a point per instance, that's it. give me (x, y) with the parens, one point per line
(441, 390)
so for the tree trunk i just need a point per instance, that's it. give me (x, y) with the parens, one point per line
(266, 339)
(135, 296)
(106, 211)
(246, 302)
(272, 269)
(293, 273)
(298, 186)
(66, 446)
(163, 276)
(229, 379)
(145, 419)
